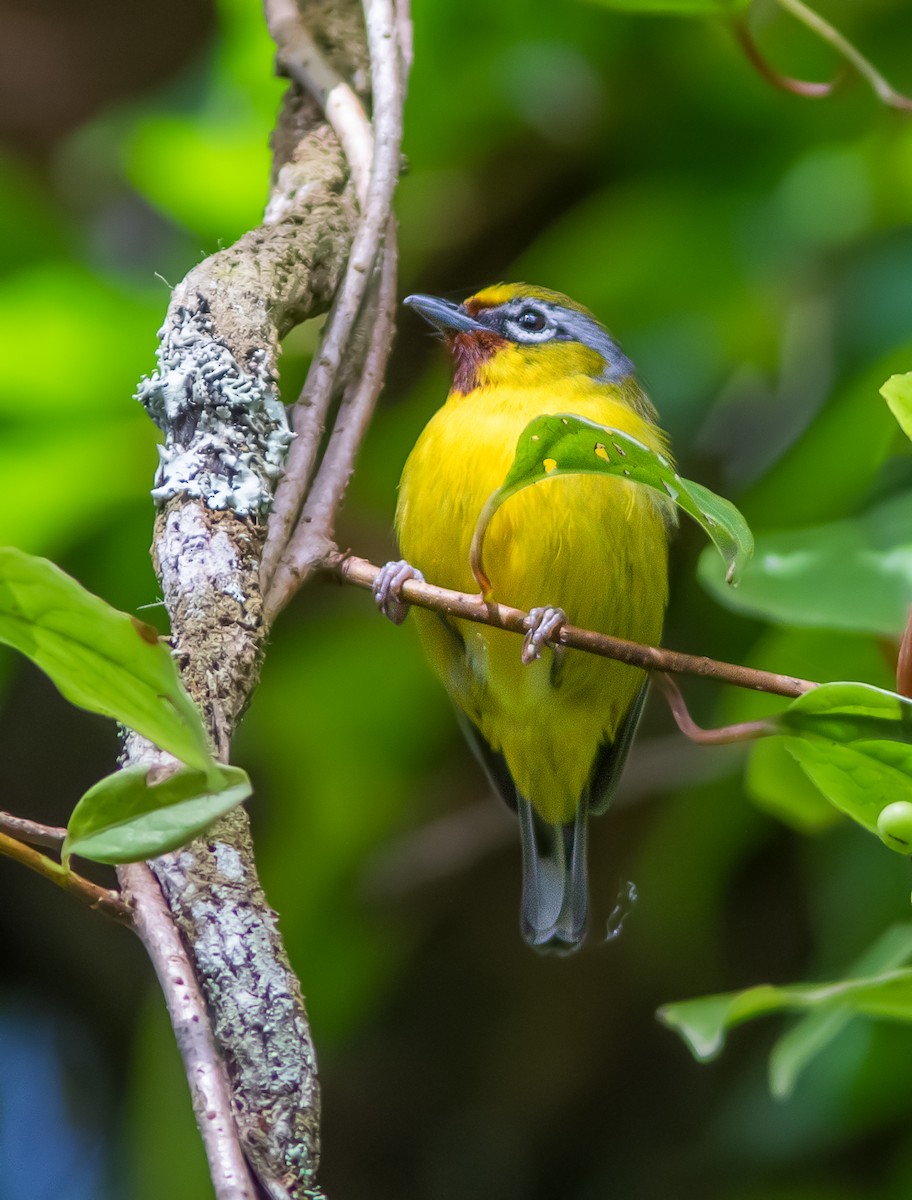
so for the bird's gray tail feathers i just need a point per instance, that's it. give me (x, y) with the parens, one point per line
(554, 881)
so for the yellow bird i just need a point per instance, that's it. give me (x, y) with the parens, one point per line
(552, 730)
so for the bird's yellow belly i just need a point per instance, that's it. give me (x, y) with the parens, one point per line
(592, 545)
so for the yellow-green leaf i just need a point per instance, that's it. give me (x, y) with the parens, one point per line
(124, 819)
(897, 392)
(99, 658)
(564, 444)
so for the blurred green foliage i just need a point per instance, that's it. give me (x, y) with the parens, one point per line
(753, 253)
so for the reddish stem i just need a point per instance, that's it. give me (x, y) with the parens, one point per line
(746, 731)
(795, 87)
(904, 661)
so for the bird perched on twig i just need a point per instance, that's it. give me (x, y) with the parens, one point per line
(551, 726)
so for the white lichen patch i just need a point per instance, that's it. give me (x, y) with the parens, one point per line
(226, 433)
(196, 561)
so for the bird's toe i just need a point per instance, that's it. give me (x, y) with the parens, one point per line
(387, 589)
(544, 623)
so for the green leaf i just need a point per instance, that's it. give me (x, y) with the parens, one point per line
(125, 819)
(814, 1032)
(564, 444)
(99, 658)
(703, 1023)
(677, 8)
(854, 574)
(897, 392)
(855, 744)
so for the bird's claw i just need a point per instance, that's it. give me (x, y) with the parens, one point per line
(388, 586)
(543, 624)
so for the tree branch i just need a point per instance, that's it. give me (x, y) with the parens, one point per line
(300, 57)
(283, 576)
(100, 899)
(651, 658)
(215, 397)
(312, 540)
(190, 1021)
(31, 831)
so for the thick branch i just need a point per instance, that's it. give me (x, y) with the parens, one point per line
(214, 394)
(209, 568)
(190, 1020)
(651, 658)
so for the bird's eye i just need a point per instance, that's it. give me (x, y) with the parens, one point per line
(532, 320)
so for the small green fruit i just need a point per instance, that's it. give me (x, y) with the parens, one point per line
(895, 826)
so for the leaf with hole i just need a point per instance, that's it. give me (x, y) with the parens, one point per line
(124, 818)
(100, 659)
(564, 444)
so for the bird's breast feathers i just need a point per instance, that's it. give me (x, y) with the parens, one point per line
(559, 531)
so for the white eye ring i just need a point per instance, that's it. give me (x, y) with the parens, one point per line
(521, 334)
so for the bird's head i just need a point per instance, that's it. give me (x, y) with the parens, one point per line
(516, 335)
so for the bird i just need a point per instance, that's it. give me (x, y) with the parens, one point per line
(551, 726)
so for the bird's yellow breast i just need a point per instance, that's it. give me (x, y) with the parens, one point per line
(592, 545)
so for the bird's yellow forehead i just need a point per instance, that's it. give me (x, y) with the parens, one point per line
(503, 293)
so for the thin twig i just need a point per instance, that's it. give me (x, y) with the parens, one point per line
(904, 661)
(651, 658)
(745, 731)
(796, 87)
(305, 64)
(815, 22)
(25, 830)
(313, 404)
(404, 37)
(100, 899)
(314, 533)
(203, 1065)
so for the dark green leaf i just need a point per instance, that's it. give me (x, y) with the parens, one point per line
(704, 1023)
(124, 819)
(855, 744)
(564, 444)
(813, 1033)
(854, 574)
(101, 659)
(897, 392)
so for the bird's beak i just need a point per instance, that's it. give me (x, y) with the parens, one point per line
(444, 314)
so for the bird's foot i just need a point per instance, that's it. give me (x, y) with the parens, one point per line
(388, 586)
(543, 624)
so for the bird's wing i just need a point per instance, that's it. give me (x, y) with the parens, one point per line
(492, 761)
(609, 762)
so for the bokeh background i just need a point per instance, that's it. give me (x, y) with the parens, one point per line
(753, 253)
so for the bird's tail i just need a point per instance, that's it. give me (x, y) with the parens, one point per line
(554, 883)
